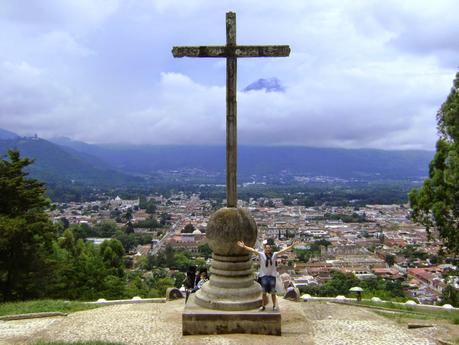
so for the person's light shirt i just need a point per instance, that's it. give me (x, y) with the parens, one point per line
(271, 268)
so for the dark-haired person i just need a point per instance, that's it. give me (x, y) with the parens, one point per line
(189, 282)
(268, 270)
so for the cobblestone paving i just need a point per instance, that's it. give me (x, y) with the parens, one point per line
(20, 330)
(302, 323)
(353, 332)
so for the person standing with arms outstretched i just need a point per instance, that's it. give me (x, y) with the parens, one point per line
(268, 270)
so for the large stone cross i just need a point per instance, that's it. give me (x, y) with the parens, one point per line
(231, 52)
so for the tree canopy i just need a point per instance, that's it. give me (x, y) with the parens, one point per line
(26, 233)
(188, 229)
(436, 203)
(39, 259)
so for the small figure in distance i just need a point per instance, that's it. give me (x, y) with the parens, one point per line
(189, 282)
(268, 270)
(203, 278)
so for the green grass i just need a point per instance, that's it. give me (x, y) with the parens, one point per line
(89, 342)
(46, 305)
(401, 316)
(407, 312)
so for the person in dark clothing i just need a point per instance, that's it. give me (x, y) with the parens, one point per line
(189, 282)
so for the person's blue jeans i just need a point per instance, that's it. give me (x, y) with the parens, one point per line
(268, 283)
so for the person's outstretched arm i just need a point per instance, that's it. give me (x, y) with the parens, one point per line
(288, 248)
(250, 249)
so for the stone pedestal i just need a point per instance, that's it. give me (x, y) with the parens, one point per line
(197, 320)
(229, 301)
(231, 286)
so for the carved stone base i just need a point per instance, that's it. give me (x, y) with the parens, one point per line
(231, 285)
(197, 320)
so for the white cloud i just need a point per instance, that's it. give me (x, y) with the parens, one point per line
(63, 42)
(31, 102)
(361, 73)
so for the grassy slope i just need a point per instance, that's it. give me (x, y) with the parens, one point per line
(39, 306)
(395, 311)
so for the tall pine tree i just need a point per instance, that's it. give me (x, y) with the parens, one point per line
(436, 204)
(26, 233)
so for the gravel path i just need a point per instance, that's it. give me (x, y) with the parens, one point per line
(310, 323)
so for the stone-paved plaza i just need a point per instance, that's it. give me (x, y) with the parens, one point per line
(152, 323)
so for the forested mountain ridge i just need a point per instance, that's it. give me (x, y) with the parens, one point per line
(263, 160)
(54, 163)
(65, 159)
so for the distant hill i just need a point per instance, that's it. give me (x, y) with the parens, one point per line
(7, 135)
(54, 163)
(341, 163)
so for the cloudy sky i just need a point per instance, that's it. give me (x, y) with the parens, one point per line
(362, 73)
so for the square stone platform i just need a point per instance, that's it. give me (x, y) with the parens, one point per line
(197, 320)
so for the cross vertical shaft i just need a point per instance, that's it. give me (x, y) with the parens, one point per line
(231, 286)
(231, 113)
(231, 52)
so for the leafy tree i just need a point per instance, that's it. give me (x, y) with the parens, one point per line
(165, 218)
(116, 214)
(86, 272)
(179, 279)
(269, 203)
(82, 231)
(340, 283)
(181, 261)
(410, 252)
(128, 215)
(19, 194)
(114, 288)
(302, 255)
(149, 206)
(129, 228)
(131, 241)
(390, 259)
(450, 296)
(354, 218)
(142, 202)
(112, 252)
(205, 251)
(436, 204)
(64, 223)
(106, 228)
(163, 283)
(26, 233)
(394, 287)
(188, 229)
(169, 254)
(151, 223)
(79, 270)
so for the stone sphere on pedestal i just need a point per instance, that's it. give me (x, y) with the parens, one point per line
(231, 285)
(226, 227)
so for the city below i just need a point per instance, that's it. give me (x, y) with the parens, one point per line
(377, 244)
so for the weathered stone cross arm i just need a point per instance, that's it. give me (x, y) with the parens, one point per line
(232, 51)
